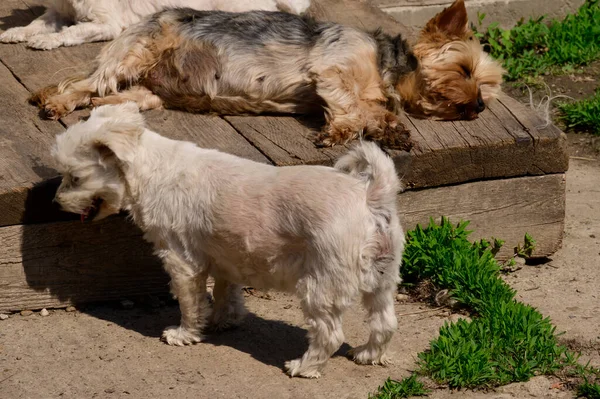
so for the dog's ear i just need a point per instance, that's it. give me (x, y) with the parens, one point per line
(119, 131)
(452, 21)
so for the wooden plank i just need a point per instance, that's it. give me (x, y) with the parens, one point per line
(57, 264)
(505, 209)
(549, 142)
(359, 14)
(24, 149)
(284, 140)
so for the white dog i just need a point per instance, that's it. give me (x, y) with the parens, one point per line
(73, 22)
(327, 234)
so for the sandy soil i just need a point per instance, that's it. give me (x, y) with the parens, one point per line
(105, 351)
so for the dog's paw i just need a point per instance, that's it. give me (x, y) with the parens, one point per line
(295, 368)
(363, 355)
(44, 42)
(390, 132)
(15, 35)
(179, 336)
(332, 136)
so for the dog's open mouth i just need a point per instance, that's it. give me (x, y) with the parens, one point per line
(90, 212)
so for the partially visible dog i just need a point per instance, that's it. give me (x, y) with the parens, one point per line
(73, 22)
(254, 62)
(456, 78)
(328, 234)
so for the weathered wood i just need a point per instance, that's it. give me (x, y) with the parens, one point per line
(505, 209)
(56, 264)
(358, 14)
(24, 149)
(284, 140)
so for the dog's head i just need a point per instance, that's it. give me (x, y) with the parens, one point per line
(456, 78)
(92, 157)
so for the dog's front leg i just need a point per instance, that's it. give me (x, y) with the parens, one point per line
(188, 285)
(75, 34)
(48, 22)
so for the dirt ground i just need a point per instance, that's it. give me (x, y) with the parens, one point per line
(106, 351)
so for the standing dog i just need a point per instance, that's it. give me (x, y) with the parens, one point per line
(73, 22)
(328, 234)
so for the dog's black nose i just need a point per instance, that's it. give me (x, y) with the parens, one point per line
(480, 105)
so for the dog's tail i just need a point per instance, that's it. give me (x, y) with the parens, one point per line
(366, 161)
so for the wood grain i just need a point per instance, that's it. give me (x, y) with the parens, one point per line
(358, 14)
(505, 209)
(56, 264)
(284, 140)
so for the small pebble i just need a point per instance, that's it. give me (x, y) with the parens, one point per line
(109, 390)
(26, 312)
(44, 313)
(402, 297)
(127, 304)
(3, 316)
(70, 309)
(287, 306)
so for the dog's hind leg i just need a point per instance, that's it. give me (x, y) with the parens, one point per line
(381, 317)
(188, 285)
(144, 98)
(325, 333)
(228, 307)
(64, 102)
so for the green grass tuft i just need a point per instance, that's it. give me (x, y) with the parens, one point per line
(507, 341)
(588, 390)
(534, 46)
(583, 114)
(406, 388)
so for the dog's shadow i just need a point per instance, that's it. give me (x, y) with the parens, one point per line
(271, 342)
(20, 17)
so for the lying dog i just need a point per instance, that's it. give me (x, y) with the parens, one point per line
(73, 22)
(254, 62)
(327, 234)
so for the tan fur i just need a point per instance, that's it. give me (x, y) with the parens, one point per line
(456, 78)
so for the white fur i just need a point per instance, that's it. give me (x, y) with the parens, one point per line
(73, 22)
(327, 234)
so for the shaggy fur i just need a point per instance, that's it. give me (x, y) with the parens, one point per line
(455, 78)
(255, 62)
(72, 22)
(327, 234)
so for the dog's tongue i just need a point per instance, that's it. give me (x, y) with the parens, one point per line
(84, 214)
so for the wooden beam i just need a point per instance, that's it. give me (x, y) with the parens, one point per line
(504, 209)
(57, 264)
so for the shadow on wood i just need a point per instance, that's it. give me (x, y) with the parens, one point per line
(69, 262)
(20, 17)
